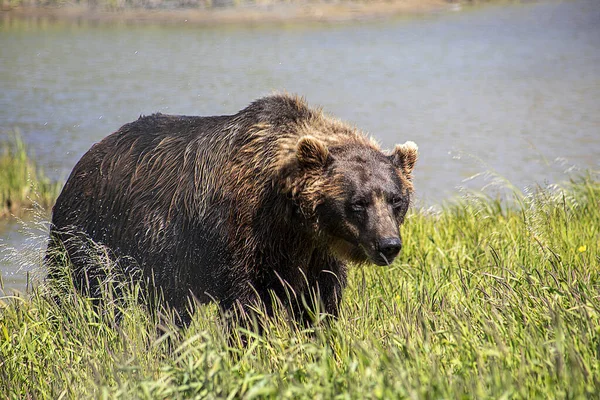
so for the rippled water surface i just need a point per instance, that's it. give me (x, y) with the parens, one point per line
(514, 89)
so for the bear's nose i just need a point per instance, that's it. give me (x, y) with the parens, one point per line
(389, 247)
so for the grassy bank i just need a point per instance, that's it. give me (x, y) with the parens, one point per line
(225, 12)
(487, 300)
(218, 12)
(184, 4)
(22, 183)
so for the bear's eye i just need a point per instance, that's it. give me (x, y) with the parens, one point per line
(359, 206)
(397, 201)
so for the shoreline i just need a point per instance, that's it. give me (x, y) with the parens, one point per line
(241, 15)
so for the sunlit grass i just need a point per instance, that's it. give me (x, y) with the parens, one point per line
(487, 300)
(22, 183)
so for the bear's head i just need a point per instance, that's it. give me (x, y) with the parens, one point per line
(356, 196)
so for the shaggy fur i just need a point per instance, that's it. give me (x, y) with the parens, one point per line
(235, 208)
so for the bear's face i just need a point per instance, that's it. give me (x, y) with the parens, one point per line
(363, 198)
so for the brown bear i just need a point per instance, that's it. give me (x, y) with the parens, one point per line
(273, 200)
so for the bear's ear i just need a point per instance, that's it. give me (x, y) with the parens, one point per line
(405, 156)
(311, 152)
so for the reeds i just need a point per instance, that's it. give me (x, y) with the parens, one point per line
(22, 183)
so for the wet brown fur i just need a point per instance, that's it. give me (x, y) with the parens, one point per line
(221, 208)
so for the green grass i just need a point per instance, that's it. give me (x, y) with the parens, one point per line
(487, 300)
(22, 183)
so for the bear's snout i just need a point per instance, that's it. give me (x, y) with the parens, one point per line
(389, 248)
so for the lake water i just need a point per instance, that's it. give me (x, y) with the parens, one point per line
(512, 89)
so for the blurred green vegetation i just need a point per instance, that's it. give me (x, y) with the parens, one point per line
(22, 183)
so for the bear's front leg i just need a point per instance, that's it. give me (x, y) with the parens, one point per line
(331, 285)
(326, 281)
